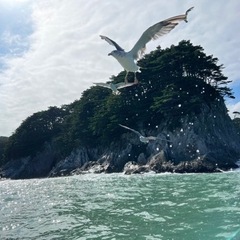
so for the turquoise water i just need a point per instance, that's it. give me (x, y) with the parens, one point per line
(116, 206)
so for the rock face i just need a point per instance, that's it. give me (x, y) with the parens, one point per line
(96, 160)
(30, 167)
(206, 142)
(77, 158)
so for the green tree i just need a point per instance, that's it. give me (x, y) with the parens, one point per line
(35, 131)
(236, 122)
(186, 61)
(3, 144)
(174, 82)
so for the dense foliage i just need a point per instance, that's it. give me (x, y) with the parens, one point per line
(236, 122)
(35, 131)
(3, 144)
(173, 82)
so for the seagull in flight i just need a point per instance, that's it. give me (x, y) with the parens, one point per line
(127, 59)
(115, 86)
(141, 137)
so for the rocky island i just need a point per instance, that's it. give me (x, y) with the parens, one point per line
(179, 99)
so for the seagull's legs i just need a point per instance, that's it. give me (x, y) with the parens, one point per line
(126, 80)
(135, 78)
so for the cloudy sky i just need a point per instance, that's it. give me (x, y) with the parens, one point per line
(50, 50)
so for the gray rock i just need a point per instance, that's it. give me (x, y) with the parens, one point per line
(75, 160)
(205, 142)
(141, 159)
(30, 167)
(135, 168)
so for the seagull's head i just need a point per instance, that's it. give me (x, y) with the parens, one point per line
(115, 53)
(143, 139)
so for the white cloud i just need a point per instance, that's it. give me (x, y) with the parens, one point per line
(233, 108)
(10, 39)
(66, 54)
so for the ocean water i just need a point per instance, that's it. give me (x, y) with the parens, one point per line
(117, 206)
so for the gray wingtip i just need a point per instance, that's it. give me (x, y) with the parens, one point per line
(190, 9)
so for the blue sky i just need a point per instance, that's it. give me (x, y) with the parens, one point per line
(15, 27)
(50, 50)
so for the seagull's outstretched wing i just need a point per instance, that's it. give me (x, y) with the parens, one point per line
(157, 138)
(157, 30)
(106, 85)
(123, 85)
(138, 133)
(152, 138)
(111, 42)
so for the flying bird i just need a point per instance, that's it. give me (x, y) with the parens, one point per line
(127, 59)
(115, 86)
(141, 137)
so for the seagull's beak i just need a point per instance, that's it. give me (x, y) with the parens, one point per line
(110, 54)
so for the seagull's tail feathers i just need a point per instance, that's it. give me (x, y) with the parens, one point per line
(116, 92)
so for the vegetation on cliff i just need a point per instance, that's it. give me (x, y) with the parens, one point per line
(3, 144)
(174, 82)
(236, 122)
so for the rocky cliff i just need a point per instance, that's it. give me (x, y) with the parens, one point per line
(204, 142)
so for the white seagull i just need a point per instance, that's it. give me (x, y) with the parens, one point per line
(127, 59)
(115, 86)
(141, 137)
